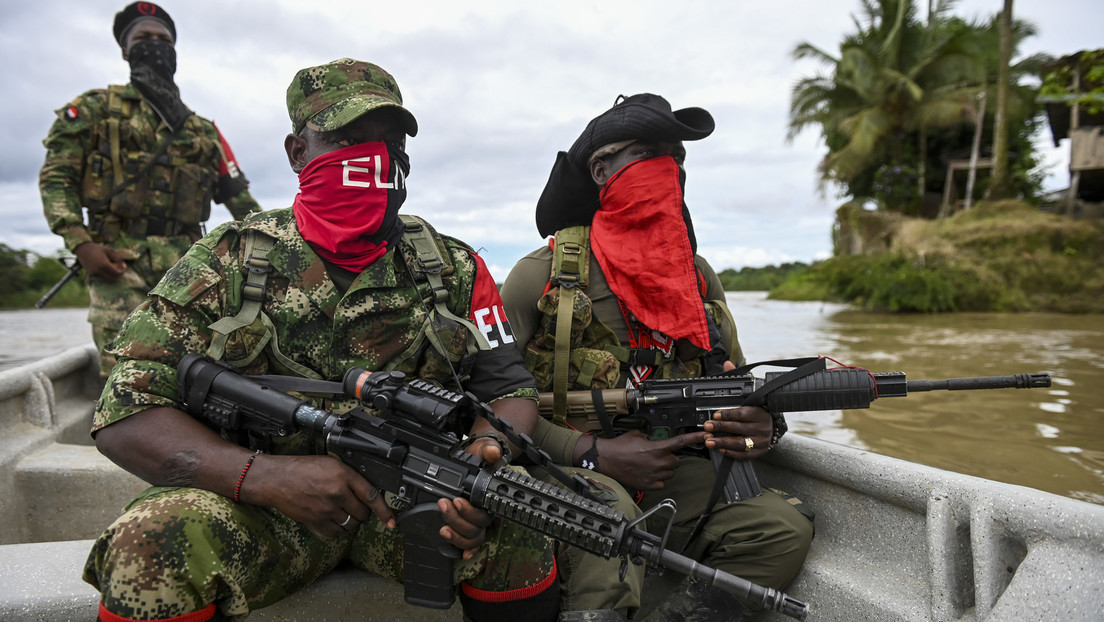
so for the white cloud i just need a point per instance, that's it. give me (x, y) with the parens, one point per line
(498, 87)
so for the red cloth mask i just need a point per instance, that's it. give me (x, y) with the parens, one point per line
(641, 240)
(348, 203)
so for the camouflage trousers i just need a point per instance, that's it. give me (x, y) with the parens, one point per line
(177, 550)
(589, 581)
(763, 539)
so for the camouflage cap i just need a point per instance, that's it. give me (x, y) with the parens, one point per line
(330, 96)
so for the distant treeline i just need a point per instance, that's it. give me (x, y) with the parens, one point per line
(25, 276)
(759, 279)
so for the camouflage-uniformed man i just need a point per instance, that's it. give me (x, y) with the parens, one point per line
(225, 529)
(647, 307)
(146, 169)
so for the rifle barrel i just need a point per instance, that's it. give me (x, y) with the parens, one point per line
(1018, 381)
(74, 270)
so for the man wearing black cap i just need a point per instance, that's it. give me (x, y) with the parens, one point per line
(145, 168)
(622, 264)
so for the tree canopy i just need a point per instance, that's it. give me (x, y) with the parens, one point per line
(902, 97)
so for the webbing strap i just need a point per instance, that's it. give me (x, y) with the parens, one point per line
(571, 257)
(113, 138)
(562, 360)
(430, 263)
(570, 271)
(257, 247)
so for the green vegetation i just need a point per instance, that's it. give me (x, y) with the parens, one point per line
(1000, 256)
(25, 277)
(1087, 72)
(758, 279)
(904, 96)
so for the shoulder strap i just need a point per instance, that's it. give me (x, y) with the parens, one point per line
(257, 246)
(570, 271)
(431, 263)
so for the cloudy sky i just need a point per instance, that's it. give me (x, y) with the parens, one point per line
(498, 88)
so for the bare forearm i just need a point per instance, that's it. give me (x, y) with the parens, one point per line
(167, 447)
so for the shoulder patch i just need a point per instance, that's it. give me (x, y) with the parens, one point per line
(72, 113)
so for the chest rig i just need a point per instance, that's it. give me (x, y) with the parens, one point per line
(455, 339)
(140, 183)
(584, 353)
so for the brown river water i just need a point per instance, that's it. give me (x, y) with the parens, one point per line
(1049, 439)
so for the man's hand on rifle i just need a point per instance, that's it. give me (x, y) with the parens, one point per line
(742, 433)
(321, 492)
(638, 463)
(466, 525)
(100, 260)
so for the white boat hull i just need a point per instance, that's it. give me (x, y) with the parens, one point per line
(895, 541)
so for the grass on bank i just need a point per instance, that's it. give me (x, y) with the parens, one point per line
(1000, 256)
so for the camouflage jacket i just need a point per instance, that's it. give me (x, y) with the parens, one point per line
(101, 139)
(376, 324)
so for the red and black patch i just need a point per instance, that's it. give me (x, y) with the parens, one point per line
(72, 113)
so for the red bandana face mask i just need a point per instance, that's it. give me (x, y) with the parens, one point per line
(641, 240)
(348, 203)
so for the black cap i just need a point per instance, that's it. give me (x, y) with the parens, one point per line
(140, 10)
(570, 196)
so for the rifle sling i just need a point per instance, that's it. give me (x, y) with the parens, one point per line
(604, 418)
(801, 368)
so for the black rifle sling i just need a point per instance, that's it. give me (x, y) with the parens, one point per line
(600, 410)
(802, 367)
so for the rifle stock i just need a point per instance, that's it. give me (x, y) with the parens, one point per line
(410, 456)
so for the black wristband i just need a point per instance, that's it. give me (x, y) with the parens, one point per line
(589, 459)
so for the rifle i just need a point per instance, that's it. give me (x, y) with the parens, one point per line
(74, 270)
(666, 407)
(409, 455)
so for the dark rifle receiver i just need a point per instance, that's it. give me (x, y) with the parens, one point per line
(410, 456)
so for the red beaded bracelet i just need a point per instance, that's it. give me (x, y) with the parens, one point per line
(241, 478)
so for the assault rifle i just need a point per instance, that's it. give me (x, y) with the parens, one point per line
(74, 270)
(667, 407)
(411, 456)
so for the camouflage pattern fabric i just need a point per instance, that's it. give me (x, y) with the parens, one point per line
(327, 97)
(80, 170)
(374, 325)
(175, 550)
(764, 539)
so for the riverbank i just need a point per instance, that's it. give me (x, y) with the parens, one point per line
(999, 256)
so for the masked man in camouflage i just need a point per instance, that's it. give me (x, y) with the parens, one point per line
(642, 304)
(146, 169)
(331, 283)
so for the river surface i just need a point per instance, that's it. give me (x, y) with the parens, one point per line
(1050, 439)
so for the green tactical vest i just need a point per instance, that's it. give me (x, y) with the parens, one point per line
(584, 353)
(173, 197)
(453, 340)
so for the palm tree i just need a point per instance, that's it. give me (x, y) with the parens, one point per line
(893, 82)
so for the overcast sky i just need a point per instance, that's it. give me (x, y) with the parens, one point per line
(498, 88)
